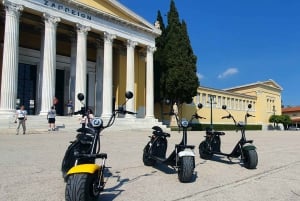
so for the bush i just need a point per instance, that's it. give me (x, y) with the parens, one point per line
(220, 127)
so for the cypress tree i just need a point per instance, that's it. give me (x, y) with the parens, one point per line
(180, 81)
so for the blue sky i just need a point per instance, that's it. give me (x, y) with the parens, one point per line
(239, 42)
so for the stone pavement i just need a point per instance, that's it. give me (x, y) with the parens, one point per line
(30, 168)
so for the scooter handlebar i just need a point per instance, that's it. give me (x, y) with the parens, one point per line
(226, 117)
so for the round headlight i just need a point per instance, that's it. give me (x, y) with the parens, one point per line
(96, 122)
(184, 123)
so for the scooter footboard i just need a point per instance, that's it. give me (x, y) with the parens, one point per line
(186, 152)
(84, 168)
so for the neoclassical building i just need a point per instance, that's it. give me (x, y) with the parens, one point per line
(264, 96)
(58, 48)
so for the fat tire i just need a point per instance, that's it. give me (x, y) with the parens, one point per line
(146, 159)
(250, 159)
(69, 159)
(204, 150)
(186, 168)
(80, 187)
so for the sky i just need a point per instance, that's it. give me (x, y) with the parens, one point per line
(238, 42)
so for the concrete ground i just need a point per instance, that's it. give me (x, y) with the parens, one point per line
(30, 168)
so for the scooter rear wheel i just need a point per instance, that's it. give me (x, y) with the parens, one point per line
(81, 187)
(204, 150)
(186, 168)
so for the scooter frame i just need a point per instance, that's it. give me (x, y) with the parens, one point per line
(155, 150)
(212, 144)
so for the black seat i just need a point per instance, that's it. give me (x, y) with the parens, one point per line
(159, 132)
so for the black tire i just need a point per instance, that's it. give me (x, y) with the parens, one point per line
(80, 187)
(186, 168)
(204, 150)
(69, 159)
(146, 159)
(250, 159)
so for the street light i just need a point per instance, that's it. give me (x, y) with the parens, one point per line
(211, 98)
(274, 111)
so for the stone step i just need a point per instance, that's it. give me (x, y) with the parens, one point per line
(37, 123)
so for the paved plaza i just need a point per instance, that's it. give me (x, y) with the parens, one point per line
(30, 168)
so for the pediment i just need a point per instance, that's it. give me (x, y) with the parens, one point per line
(115, 9)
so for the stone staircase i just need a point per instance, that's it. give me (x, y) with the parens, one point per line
(38, 124)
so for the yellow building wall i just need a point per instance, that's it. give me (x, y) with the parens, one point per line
(140, 83)
(268, 102)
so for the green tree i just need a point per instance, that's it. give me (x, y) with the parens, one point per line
(179, 79)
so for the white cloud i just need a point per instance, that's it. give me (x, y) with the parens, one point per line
(228, 72)
(200, 76)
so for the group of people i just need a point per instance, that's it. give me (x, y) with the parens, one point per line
(21, 116)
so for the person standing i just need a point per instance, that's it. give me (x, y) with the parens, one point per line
(21, 116)
(51, 118)
(70, 108)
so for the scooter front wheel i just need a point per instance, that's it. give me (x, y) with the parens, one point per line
(250, 159)
(204, 150)
(82, 187)
(186, 168)
(146, 157)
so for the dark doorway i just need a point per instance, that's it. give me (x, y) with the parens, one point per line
(26, 94)
(59, 91)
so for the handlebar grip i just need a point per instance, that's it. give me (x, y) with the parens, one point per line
(128, 112)
(226, 117)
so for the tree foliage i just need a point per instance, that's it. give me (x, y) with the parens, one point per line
(175, 62)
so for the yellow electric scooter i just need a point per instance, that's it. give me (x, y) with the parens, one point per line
(85, 178)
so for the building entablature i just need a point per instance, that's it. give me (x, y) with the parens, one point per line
(99, 21)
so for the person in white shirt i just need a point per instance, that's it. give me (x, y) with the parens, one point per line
(51, 118)
(21, 116)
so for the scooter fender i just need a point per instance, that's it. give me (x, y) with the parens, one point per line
(186, 152)
(248, 146)
(84, 168)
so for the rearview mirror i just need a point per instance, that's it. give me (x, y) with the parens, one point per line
(80, 96)
(128, 94)
(224, 107)
(249, 106)
(200, 105)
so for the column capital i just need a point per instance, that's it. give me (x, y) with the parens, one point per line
(131, 43)
(82, 28)
(12, 8)
(51, 19)
(151, 49)
(109, 37)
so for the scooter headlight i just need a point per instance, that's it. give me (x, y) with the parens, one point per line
(184, 123)
(97, 122)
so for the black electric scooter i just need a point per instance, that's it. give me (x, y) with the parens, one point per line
(243, 149)
(182, 158)
(84, 177)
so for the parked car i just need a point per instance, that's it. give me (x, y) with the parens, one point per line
(293, 128)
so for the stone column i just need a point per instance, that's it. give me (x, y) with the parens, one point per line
(72, 95)
(40, 73)
(49, 63)
(130, 75)
(149, 83)
(81, 57)
(108, 75)
(99, 78)
(9, 81)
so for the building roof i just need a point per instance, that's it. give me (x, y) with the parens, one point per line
(290, 109)
(113, 10)
(269, 83)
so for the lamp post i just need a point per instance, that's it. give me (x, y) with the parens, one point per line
(274, 110)
(211, 98)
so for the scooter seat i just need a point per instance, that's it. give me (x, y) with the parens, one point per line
(159, 132)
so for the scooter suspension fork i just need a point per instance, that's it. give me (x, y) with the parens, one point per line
(100, 176)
